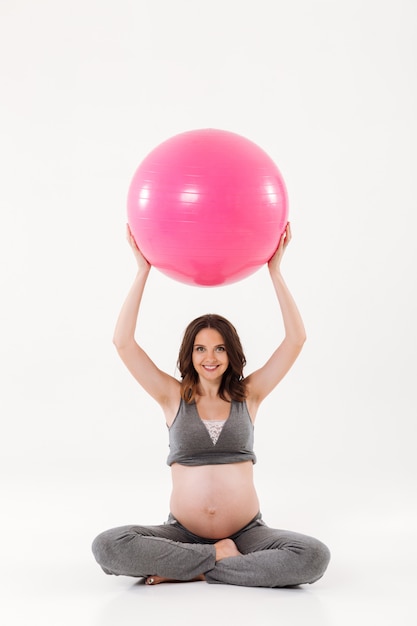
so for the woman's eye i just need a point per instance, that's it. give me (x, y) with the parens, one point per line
(221, 349)
(199, 349)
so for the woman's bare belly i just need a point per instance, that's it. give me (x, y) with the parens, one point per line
(214, 501)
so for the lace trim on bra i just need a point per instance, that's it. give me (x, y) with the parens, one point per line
(214, 428)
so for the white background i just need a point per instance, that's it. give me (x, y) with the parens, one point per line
(328, 89)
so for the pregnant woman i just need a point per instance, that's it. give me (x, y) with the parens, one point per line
(215, 531)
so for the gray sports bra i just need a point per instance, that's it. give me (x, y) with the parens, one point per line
(190, 442)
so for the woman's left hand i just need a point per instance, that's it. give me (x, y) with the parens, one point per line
(275, 261)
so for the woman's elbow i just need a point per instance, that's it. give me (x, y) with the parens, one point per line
(120, 343)
(298, 341)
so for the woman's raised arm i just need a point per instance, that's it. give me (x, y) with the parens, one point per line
(161, 386)
(265, 379)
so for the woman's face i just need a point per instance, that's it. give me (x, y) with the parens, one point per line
(210, 358)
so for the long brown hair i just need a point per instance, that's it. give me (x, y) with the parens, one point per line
(232, 385)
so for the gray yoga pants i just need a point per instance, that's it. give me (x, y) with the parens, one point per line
(269, 557)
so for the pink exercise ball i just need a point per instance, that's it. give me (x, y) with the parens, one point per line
(207, 207)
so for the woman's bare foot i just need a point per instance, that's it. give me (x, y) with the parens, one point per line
(157, 580)
(225, 548)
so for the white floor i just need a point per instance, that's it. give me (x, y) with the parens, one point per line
(49, 577)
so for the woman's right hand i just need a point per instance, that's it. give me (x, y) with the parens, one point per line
(142, 263)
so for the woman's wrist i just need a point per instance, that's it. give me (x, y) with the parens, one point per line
(143, 270)
(275, 270)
